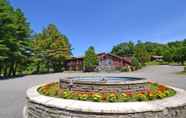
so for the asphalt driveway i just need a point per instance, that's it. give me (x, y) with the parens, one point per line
(12, 91)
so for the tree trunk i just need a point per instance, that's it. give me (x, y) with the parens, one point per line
(11, 70)
(38, 68)
(14, 69)
(5, 71)
(48, 66)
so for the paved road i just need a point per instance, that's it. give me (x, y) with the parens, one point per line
(12, 92)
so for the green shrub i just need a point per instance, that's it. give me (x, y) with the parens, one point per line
(164, 63)
(123, 97)
(67, 94)
(96, 97)
(160, 95)
(170, 92)
(136, 63)
(124, 69)
(140, 97)
(118, 68)
(83, 97)
(52, 92)
(112, 98)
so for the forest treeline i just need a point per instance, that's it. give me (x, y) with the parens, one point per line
(25, 52)
(21, 52)
(171, 52)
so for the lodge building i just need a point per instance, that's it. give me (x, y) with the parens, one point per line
(107, 61)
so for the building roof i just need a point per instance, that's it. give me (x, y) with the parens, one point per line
(157, 57)
(127, 59)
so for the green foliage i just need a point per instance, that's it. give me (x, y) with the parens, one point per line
(143, 51)
(14, 32)
(90, 60)
(155, 91)
(135, 62)
(140, 97)
(67, 94)
(51, 48)
(112, 98)
(185, 68)
(124, 69)
(168, 55)
(83, 97)
(123, 97)
(123, 49)
(180, 54)
(96, 97)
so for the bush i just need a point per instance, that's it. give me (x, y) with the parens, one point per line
(185, 69)
(140, 97)
(123, 97)
(52, 92)
(135, 62)
(112, 98)
(160, 95)
(67, 94)
(124, 69)
(96, 97)
(90, 60)
(83, 97)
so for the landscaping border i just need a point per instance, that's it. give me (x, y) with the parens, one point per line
(40, 106)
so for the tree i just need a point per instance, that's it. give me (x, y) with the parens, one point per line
(123, 49)
(180, 55)
(135, 63)
(14, 30)
(90, 60)
(51, 48)
(141, 53)
(168, 55)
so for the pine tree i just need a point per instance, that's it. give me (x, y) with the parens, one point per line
(90, 60)
(13, 31)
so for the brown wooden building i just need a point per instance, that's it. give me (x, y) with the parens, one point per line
(106, 61)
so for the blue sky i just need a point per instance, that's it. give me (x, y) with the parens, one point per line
(104, 23)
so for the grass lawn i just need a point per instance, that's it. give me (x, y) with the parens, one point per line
(182, 73)
(153, 63)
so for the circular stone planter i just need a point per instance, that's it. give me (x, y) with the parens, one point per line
(103, 84)
(39, 106)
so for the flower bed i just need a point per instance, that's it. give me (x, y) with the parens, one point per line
(153, 91)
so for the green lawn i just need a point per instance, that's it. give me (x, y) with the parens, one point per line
(182, 73)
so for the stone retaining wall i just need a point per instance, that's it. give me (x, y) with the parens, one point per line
(132, 86)
(39, 106)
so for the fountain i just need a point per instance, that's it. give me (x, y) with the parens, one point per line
(69, 98)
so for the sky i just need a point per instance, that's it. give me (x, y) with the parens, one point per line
(105, 23)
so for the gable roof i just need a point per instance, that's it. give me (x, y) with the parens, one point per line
(126, 59)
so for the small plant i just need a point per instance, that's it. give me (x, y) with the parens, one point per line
(52, 92)
(83, 97)
(160, 95)
(140, 97)
(152, 92)
(96, 97)
(112, 97)
(151, 95)
(67, 94)
(124, 69)
(123, 97)
(136, 63)
(60, 93)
